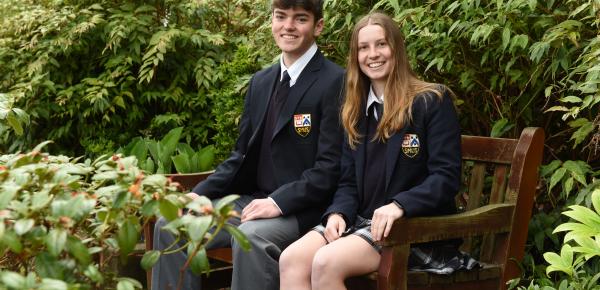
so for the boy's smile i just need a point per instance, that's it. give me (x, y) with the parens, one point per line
(294, 31)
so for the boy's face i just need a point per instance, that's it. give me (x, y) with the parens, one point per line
(294, 30)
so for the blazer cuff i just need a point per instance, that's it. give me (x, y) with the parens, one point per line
(277, 206)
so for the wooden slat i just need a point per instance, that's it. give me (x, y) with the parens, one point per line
(476, 186)
(487, 219)
(499, 184)
(496, 196)
(496, 150)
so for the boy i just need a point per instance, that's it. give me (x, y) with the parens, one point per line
(286, 161)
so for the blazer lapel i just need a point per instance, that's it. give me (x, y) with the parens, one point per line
(263, 95)
(307, 78)
(391, 155)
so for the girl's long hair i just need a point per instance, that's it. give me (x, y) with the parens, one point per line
(401, 88)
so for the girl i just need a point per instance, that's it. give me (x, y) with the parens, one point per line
(401, 158)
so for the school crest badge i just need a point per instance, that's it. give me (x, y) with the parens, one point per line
(411, 145)
(302, 124)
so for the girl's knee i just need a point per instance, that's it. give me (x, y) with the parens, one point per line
(323, 263)
(286, 260)
(291, 258)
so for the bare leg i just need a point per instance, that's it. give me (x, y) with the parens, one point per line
(296, 261)
(346, 257)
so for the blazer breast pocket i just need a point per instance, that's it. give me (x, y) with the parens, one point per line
(305, 126)
(412, 148)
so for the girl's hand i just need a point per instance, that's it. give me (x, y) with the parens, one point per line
(383, 219)
(336, 225)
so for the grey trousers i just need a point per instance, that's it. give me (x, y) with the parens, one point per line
(256, 269)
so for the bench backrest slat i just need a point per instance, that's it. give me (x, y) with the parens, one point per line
(495, 171)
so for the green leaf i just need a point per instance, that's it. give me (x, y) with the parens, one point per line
(40, 200)
(558, 108)
(11, 240)
(23, 226)
(149, 259)
(225, 201)
(150, 208)
(596, 199)
(584, 215)
(500, 127)
(8, 191)
(53, 284)
(128, 284)
(582, 133)
(239, 237)
(568, 186)
(199, 263)
(198, 227)
(578, 122)
(571, 99)
(76, 248)
(545, 170)
(168, 209)
(556, 177)
(505, 38)
(206, 158)
(182, 163)
(12, 280)
(168, 145)
(125, 285)
(56, 241)
(139, 149)
(127, 236)
(93, 273)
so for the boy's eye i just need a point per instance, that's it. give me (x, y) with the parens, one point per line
(302, 19)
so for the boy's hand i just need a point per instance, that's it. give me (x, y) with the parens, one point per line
(383, 219)
(260, 208)
(336, 225)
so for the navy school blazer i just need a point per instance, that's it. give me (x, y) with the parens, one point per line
(423, 164)
(306, 155)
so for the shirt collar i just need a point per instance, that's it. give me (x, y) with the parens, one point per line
(372, 99)
(298, 66)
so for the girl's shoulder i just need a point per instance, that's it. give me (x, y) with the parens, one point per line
(437, 93)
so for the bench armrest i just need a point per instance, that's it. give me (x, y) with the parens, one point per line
(494, 218)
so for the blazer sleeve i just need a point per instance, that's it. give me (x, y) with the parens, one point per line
(345, 199)
(317, 184)
(216, 184)
(443, 143)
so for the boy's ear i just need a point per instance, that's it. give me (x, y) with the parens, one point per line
(319, 27)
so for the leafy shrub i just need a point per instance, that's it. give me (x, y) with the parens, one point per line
(169, 152)
(63, 222)
(94, 74)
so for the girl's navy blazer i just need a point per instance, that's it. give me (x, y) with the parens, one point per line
(423, 164)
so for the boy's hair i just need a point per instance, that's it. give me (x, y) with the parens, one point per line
(313, 6)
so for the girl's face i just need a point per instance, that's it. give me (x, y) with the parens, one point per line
(375, 57)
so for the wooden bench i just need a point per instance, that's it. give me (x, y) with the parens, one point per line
(499, 181)
(220, 276)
